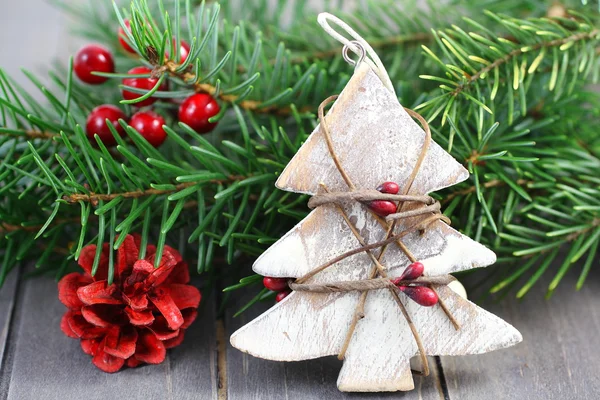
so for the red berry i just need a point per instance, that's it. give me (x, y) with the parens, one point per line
(383, 207)
(184, 51)
(141, 83)
(150, 125)
(421, 295)
(389, 188)
(123, 35)
(93, 58)
(196, 110)
(275, 284)
(413, 271)
(282, 295)
(96, 123)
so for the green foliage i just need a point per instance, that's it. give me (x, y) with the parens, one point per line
(506, 94)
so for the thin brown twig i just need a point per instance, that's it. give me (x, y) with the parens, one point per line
(418, 37)
(595, 223)
(31, 134)
(369, 284)
(252, 105)
(487, 185)
(413, 174)
(446, 310)
(8, 228)
(517, 52)
(95, 197)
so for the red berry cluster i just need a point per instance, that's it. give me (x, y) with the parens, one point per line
(148, 123)
(194, 111)
(279, 285)
(422, 295)
(385, 207)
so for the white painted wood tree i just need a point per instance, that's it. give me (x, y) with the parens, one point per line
(376, 140)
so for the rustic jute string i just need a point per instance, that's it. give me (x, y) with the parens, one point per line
(431, 208)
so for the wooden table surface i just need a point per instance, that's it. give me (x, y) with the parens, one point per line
(558, 359)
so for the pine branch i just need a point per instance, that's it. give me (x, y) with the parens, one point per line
(94, 198)
(522, 50)
(250, 105)
(381, 43)
(507, 97)
(30, 134)
(487, 185)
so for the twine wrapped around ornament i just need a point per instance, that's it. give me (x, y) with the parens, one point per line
(431, 210)
(367, 284)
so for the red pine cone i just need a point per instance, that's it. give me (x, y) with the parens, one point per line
(133, 321)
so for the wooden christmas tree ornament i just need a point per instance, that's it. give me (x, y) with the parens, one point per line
(346, 263)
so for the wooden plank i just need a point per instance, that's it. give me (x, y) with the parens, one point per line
(558, 358)
(253, 378)
(193, 365)
(7, 301)
(48, 365)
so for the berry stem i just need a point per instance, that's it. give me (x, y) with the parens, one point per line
(251, 105)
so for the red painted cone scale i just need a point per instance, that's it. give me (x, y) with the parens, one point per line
(421, 295)
(135, 319)
(275, 284)
(385, 207)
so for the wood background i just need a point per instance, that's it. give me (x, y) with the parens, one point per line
(558, 359)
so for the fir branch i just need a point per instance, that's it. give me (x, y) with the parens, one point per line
(94, 198)
(379, 43)
(6, 228)
(532, 158)
(30, 134)
(487, 185)
(522, 50)
(249, 105)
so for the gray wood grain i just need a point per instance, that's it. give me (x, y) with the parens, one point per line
(559, 355)
(45, 364)
(7, 301)
(193, 370)
(252, 378)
